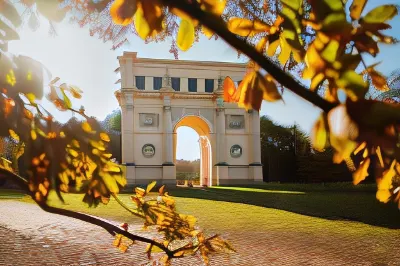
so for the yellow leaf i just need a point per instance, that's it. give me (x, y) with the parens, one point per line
(245, 27)
(214, 6)
(13, 135)
(362, 172)
(110, 183)
(117, 240)
(150, 186)
(73, 152)
(86, 127)
(10, 78)
(122, 11)
(140, 192)
(272, 47)
(285, 51)
(42, 189)
(360, 148)
(104, 137)
(33, 134)
(356, 8)
(31, 97)
(379, 154)
(207, 32)
(319, 134)
(185, 36)
(380, 14)
(141, 25)
(261, 45)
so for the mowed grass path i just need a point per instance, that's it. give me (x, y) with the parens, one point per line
(341, 225)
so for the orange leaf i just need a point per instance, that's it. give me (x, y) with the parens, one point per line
(122, 11)
(229, 89)
(362, 172)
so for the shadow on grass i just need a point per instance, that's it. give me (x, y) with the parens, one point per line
(336, 204)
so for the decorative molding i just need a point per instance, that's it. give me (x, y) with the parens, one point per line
(148, 150)
(148, 120)
(236, 151)
(235, 122)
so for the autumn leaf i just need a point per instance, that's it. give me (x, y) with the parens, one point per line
(268, 87)
(207, 32)
(150, 186)
(86, 127)
(104, 137)
(185, 36)
(122, 11)
(14, 135)
(229, 89)
(245, 27)
(362, 172)
(356, 8)
(214, 6)
(380, 14)
(319, 134)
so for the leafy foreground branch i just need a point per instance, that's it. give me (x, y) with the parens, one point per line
(160, 213)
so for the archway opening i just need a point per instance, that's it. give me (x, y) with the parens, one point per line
(191, 143)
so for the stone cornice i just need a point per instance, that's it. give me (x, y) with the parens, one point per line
(173, 95)
(133, 55)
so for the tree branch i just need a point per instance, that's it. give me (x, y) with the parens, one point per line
(110, 228)
(217, 25)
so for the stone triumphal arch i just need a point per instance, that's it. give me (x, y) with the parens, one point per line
(158, 96)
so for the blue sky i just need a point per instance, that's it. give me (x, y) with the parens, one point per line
(89, 63)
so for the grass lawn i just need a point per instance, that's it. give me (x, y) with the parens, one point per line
(336, 201)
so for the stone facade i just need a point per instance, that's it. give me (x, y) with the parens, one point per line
(158, 96)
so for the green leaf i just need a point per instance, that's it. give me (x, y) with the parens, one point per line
(67, 101)
(330, 51)
(293, 4)
(380, 14)
(353, 84)
(357, 8)
(336, 22)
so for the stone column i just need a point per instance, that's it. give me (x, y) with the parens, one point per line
(255, 167)
(169, 170)
(168, 132)
(127, 134)
(222, 165)
(127, 126)
(221, 149)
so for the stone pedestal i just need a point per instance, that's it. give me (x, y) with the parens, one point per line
(169, 175)
(222, 174)
(130, 174)
(256, 173)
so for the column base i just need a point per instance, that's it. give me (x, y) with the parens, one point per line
(169, 174)
(222, 174)
(130, 173)
(256, 172)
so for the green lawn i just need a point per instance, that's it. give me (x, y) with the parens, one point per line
(339, 201)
